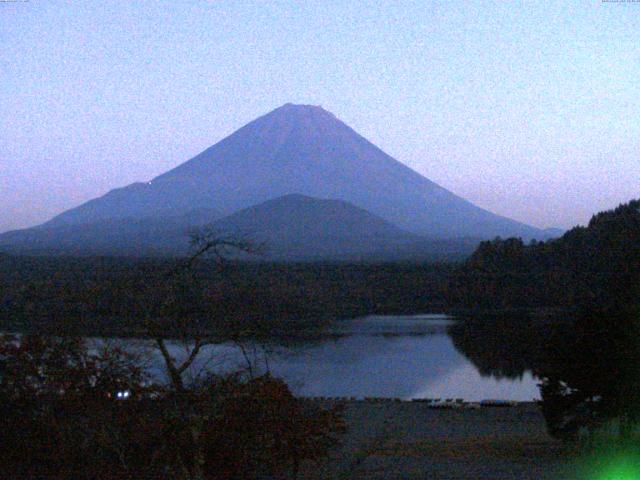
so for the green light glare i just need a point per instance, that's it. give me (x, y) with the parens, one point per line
(621, 472)
(619, 467)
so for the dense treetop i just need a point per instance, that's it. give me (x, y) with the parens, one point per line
(594, 265)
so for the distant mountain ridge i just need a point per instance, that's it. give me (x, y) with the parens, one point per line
(301, 149)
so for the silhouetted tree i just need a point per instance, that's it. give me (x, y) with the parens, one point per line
(595, 378)
(59, 412)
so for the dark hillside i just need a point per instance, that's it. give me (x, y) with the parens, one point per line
(595, 265)
(105, 295)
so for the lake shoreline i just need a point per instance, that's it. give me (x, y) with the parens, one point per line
(396, 440)
(373, 356)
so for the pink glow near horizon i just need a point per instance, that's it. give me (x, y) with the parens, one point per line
(529, 110)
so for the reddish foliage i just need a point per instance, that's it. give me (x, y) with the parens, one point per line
(59, 419)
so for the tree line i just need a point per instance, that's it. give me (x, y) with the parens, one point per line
(98, 296)
(598, 264)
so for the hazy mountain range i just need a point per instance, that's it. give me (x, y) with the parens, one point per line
(297, 178)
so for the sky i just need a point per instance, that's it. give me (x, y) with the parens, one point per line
(528, 109)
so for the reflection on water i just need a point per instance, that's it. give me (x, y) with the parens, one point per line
(463, 382)
(385, 356)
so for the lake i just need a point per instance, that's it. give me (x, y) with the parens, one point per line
(382, 356)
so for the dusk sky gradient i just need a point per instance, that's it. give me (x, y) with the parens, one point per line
(528, 109)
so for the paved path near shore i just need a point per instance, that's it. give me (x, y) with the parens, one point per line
(410, 441)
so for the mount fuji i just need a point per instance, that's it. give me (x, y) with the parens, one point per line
(295, 149)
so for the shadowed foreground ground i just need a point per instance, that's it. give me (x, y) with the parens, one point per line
(408, 440)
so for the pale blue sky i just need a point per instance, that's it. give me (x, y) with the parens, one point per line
(529, 109)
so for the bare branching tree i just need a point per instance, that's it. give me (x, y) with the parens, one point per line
(220, 246)
(167, 314)
(205, 243)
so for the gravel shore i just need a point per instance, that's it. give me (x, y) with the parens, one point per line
(408, 440)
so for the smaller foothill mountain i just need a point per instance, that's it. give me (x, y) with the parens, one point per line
(297, 227)
(597, 265)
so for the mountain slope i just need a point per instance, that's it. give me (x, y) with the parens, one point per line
(293, 228)
(163, 235)
(300, 149)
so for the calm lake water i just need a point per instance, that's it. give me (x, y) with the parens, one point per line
(385, 356)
